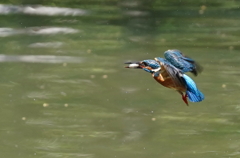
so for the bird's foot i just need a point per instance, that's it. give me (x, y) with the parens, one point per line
(184, 98)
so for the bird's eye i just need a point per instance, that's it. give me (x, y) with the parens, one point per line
(144, 63)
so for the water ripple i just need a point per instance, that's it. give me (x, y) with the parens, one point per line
(41, 10)
(4, 32)
(46, 45)
(40, 59)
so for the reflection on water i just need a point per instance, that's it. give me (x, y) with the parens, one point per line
(65, 92)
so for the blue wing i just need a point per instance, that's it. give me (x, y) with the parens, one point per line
(176, 58)
(193, 93)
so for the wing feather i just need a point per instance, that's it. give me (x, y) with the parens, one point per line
(184, 63)
(174, 73)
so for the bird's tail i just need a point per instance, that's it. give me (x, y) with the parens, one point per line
(193, 93)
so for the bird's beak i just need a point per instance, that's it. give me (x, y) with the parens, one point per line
(133, 65)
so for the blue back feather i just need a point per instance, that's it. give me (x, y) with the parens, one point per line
(193, 93)
(164, 61)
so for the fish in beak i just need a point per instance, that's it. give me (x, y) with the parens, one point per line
(136, 65)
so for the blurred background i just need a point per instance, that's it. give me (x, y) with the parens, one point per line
(66, 94)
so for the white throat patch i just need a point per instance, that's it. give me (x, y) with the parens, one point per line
(155, 70)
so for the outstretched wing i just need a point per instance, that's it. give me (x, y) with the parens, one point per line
(174, 73)
(185, 64)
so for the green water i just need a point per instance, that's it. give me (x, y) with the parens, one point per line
(65, 92)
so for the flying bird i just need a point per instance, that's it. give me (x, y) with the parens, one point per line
(170, 72)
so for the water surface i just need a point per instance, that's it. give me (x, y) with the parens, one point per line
(65, 91)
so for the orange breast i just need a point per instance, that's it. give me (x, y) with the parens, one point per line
(166, 81)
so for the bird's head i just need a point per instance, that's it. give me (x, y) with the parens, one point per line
(149, 65)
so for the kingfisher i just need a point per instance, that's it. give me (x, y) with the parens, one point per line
(170, 72)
